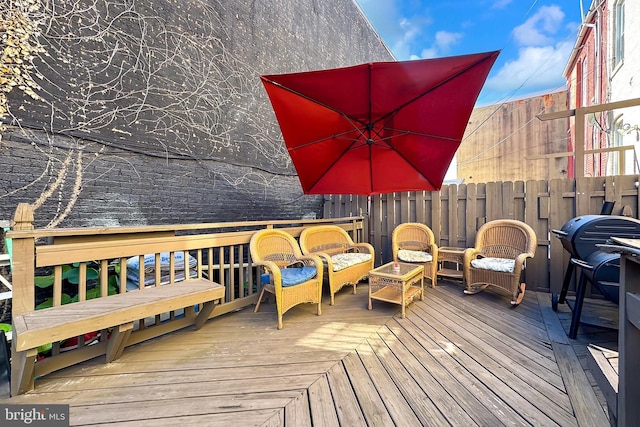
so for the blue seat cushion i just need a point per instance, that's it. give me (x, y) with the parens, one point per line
(295, 276)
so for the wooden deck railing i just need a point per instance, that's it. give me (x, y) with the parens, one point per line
(92, 262)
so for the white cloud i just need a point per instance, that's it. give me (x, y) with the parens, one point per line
(500, 4)
(541, 60)
(539, 29)
(446, 39)
(402, 47)
(400, 32)
(536, 67)
(427, 54)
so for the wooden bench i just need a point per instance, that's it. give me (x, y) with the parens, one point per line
(117, 314)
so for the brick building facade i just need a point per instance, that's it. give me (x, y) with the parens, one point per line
(153, 112)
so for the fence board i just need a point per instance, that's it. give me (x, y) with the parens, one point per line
(461, 226)
(452, 208)
(611, 192)
(376, 226)
(492, 208)
(436, 224)
(519, 195)
(405, 210)
(627, 198)
(537, 271)
(508, 201)
(583, 189)
(481, 205)
(471, 214)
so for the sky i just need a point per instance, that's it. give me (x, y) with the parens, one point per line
(535, 38)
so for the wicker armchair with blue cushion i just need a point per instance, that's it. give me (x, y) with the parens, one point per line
(498, 258)
(292, 277)
(413, 242)
(347, 262)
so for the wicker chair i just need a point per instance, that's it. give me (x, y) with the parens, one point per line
(498, 258)
(347, 262)
(276, 250)
(414, 242)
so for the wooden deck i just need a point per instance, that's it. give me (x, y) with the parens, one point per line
(456, 359)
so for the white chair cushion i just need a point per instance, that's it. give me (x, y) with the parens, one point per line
(414, 256)
(501, 265)
(342, 261)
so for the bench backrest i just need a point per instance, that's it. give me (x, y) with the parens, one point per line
(117, 261)
(325, 238)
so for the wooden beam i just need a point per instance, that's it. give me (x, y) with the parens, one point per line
(609, 106)
(590, 109)
(556, 115)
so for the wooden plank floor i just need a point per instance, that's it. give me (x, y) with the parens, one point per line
(456, 359)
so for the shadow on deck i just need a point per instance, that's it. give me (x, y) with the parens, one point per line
(455, 360)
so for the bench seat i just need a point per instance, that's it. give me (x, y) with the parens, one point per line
(40, 327)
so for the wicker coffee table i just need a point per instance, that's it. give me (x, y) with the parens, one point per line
(396, 287)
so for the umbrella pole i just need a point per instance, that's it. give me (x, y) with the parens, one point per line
(368, 222)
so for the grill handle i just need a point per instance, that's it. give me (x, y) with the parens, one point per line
(581, 264)
(559, 233)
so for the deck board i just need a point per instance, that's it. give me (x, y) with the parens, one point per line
(392, 398)
(321, 403)
(370, 401)
(456, 359)
(484, 367)
(502, 344)
(447, 399)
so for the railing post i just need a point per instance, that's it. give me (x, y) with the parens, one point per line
(23, 264)
(23, 298)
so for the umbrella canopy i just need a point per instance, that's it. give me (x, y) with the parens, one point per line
(378, 127)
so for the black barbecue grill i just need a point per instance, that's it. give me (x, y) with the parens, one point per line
(580, 237)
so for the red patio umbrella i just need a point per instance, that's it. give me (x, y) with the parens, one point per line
(379, 127)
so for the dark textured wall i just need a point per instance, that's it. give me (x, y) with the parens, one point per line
(152, 112)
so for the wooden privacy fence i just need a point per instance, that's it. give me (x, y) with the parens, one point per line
(457, 211)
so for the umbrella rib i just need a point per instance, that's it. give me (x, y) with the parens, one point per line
(406, 159)
(338, 135)
(409, 162)
(332, 164)
(475, 64)
(409, 132)
(315, 101)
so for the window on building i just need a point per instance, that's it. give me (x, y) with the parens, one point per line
(618, 33)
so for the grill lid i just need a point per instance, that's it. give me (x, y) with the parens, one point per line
(580, 235)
